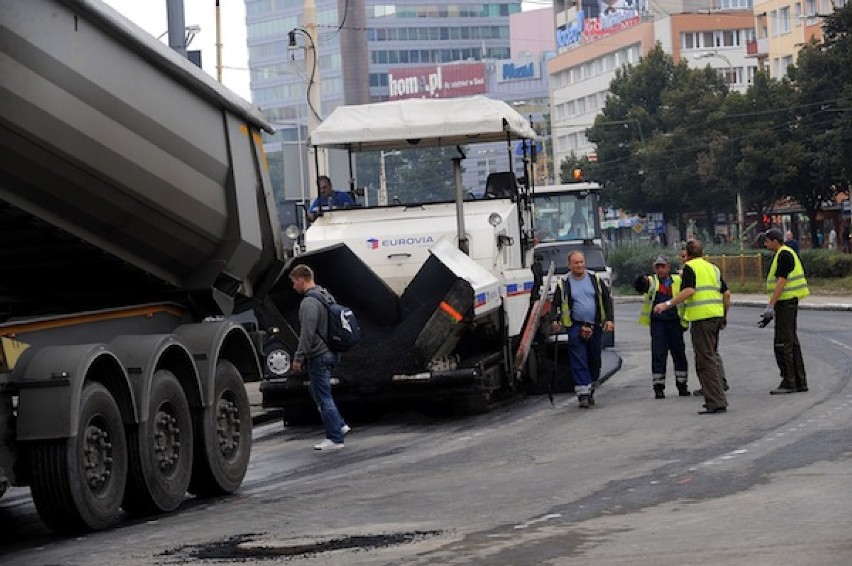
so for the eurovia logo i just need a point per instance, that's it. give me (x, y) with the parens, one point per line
(417, 241)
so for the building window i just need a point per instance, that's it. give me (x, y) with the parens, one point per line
(784, 19)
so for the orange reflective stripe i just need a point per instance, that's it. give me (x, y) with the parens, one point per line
(447, 308)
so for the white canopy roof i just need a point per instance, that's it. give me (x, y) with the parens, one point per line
(421, 122)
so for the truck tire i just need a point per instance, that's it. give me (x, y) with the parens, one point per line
(78, 483)
(223, 436)
(161, 452)
(277, 359)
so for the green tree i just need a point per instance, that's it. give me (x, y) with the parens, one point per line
(823, 76)
(652, 134)
(752, 142)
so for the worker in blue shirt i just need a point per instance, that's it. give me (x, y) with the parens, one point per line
(328, 198)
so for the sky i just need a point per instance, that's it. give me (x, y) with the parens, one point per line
(150, 15)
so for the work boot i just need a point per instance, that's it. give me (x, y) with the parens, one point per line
(583, 401)
(683, 389)
(781, 391)
(659, 391)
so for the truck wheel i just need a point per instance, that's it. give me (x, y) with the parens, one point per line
(223, 435)
(78, 483)
(161, 453)
(277, 358)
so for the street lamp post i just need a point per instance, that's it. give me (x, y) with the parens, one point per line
(709, 54)
(731, 79)
(320, 156)
(383, 180)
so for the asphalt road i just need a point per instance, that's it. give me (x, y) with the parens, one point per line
(633, 480)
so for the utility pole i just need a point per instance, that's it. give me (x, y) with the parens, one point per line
(177, 26)
(218, 43)
(317, 158)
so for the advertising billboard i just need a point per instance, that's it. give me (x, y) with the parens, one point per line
(597, 19)
(517, 70)
(437, 81)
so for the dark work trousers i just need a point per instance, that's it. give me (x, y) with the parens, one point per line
(705, 341)
(667, 336)
(585, 359)
(788, 352)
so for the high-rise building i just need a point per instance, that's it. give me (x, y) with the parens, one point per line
(360, 43)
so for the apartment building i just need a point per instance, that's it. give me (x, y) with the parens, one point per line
(783, 27)
(592, 44)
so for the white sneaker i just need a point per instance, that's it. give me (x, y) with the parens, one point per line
(328, 445)
(345, 429)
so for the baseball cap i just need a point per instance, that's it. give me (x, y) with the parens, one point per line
(661, 260)
(775, 234)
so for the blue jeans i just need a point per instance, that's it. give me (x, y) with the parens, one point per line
(585, 358)
(319, 386)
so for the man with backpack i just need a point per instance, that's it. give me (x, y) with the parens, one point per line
(314, 351)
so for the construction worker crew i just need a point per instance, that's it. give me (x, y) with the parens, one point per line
(666, 328)
(786, 285)
(706, 299)
(584, 309)
(313, 320)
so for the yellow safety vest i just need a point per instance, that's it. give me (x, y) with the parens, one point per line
(706, 302)
(797, 285)
(648, 304)
(566, 305)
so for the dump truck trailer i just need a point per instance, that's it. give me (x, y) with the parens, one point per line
(442, 288)
(137, 216)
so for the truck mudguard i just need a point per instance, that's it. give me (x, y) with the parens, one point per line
(211, 341)
(51, 383)
(142, 355)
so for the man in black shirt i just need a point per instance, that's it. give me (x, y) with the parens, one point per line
(786, 284)
(706, 299)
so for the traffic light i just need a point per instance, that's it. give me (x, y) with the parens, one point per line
(577, 174)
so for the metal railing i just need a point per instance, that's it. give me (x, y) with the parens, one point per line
(739, 269)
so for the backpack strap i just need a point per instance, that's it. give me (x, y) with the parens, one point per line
(322, 332)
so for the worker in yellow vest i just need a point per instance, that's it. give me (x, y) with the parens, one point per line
(584, 310)
(706, 299)
(786, 285)
(667, 328)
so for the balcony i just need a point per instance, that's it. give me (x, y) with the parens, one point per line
(757, 48)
